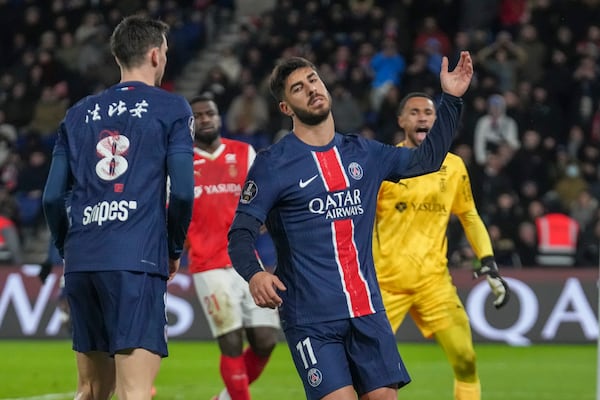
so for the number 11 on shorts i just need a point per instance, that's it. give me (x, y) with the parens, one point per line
(301, 346)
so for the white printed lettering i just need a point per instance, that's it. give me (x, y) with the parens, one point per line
(581, 312)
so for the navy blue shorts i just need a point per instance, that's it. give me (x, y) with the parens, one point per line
(113, 311)
(360, 352)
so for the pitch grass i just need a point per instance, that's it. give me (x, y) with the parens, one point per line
(45, 370)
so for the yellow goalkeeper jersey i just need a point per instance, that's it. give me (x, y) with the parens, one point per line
(409, 236)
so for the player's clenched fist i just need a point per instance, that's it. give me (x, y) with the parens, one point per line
(263, 287)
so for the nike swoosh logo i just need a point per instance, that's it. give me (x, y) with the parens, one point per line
(305, 183)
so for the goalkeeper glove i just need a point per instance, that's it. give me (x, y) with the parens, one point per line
(499, 287)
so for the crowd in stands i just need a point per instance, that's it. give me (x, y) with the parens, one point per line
(53, 54)
(530, 132)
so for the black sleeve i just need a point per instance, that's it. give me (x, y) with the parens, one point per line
(242, 236)
(53, 200)
(181, 199)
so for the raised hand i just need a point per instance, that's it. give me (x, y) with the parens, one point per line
(457, 82)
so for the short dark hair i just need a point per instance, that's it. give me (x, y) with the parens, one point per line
(205, 97)
(410, 96)
(134, 36)
(282, 70)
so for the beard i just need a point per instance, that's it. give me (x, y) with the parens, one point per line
(206, 138)
(312, 118)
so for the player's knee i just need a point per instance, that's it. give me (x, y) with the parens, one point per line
(262, 340)
(263, 348)
(464, 364)
(232, 343)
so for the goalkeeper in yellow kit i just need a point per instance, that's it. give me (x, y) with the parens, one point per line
(409, 248)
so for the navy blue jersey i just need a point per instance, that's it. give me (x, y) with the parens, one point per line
(319, 205)
(117, 143)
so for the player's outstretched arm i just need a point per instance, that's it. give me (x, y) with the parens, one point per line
(457, 82)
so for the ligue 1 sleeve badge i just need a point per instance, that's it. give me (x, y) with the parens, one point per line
(248, 192)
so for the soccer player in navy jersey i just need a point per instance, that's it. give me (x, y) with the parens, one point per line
(119, 241)
(316, 190)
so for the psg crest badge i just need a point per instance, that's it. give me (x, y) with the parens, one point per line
(355, 170)
(314, 376)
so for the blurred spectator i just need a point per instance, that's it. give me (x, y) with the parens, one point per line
(429, 31)
(588, 253)
(341, 62)
(558, 79)
(49, 109)
(575, 141)
(512, 14)
(94, 53)
(418, 77)
(388, 67)
(564, 41)
(358, 85)
(8, 205)
(503, 58)
(584, 92)
(218, 84)
(589, 158)
(10, 244)
(569, 186)
(68, 52)
(503, 227)
(7, 130)
(529, 163)
(229, 64)
(507, 214)
(529, 192)
(186, 35)
(532, 68)
(31, 181)
(494, 129)
(19, 105)
(526, 244)
(536, 209)
(461, 42)
(475, 108)
(504, 247)
(494, 182)
(346, 110)
(544, 114)
(478, 14)
(387, 117)
(545, 16)
(558, 236)
(590, 45)
(248, 116)
(584, 209)
(434, 54)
